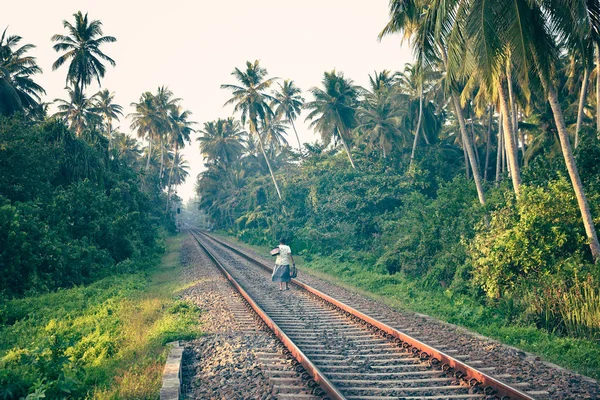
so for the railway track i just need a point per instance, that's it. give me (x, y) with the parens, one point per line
(346, 354)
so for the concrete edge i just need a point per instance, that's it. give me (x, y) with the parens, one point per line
(171, 381)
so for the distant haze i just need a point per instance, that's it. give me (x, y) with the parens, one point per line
(192, 47)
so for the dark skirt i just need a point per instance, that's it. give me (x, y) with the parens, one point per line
(281, 273)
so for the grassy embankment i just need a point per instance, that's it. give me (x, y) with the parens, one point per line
(400, 293)
(104, 341)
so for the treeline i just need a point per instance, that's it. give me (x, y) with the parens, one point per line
(80, 199)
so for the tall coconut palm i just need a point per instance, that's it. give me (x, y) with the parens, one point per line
(289, 102)
(181, 129)
(411, 82)
(78, 111)
(18, 91)
(525, 32)
(333, 110)
(221, 142)
(251, 100)
(145, 120)
(417, 21)
(380, 115)
(82, 48)
(181, 170)
(165, 105)
(109, 110)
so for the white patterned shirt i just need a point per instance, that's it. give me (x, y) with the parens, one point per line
(284, 255)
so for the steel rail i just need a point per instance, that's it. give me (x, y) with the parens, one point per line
(311, 369)
(436, 357)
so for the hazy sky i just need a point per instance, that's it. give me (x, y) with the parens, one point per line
(192, 47)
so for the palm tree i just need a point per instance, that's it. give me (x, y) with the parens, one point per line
(181, 170)
(380, 116)
(521, 35)
(79, 111)
(221, 142)
(411, 82)
(181, 129)
(109, 110)
(417, 20)
(146, 121)
(289, 102)
(333, 109)
(127, 148)
(82, 46)
(18, 91)
(250, 99)
(165, 105)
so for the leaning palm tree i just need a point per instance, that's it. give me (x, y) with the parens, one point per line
(109, 110)
(288, 102)
(79, 112)
(82, 48)
(221, 142)
(333, 110)
(250, 99)
(18, 91)
(417, 21)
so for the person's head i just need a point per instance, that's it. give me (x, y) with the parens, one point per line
(282, 241)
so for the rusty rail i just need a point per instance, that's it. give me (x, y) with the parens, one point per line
(435, 357)
(311, 369)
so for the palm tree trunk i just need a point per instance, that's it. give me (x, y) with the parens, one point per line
(467, 144)
(488, 145)
(565, 145)
(598, 89)
(109, 121)
(171, 175)
(521, 137)
(500, 149)
(162, 162)
(347, 150)
(463, 131)
(414, 147)
(297, 137)
(474, 138)
(466, 156)
(262, 148)
(509, 138)
(149, 152)
(583, 95)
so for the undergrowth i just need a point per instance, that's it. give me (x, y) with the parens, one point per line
(102, 341)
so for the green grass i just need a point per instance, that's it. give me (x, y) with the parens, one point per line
(102, 341)
(400, 293)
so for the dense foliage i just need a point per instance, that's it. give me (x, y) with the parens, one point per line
(434, 193)
(69, 213)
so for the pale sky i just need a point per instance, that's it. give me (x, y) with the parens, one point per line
(192, 47)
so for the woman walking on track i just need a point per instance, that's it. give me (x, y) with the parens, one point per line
(281, 273)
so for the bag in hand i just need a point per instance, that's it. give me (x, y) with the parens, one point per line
(293, 271)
